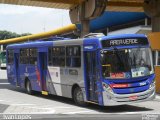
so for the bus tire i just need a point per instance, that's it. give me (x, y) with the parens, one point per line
(78, 97)
(29, 87)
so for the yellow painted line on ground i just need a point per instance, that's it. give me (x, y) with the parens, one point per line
(44, 93)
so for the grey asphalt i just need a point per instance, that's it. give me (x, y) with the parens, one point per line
(16, 101)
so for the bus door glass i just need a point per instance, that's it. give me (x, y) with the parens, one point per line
(43, 69)
(16, 65)
(91, 75)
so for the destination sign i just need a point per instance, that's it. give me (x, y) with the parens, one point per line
(124, 42)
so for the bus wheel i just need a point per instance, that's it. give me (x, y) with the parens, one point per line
(29, 87)
(78, 97)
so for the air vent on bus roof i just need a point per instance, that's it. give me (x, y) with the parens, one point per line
(92, 35)
(55, 38)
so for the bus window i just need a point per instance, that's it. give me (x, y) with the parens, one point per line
(24, 56)
(50, 56)
(10, 56)
(33, 56)
(57, 56)
(73, 56)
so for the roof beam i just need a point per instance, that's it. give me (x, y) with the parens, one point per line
(74, 2)
(125, 3)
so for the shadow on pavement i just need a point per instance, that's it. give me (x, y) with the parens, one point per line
(3, 107)
(106, 109)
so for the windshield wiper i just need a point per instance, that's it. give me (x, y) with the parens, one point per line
(135, 55)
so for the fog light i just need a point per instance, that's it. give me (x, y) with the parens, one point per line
(152, 85)
(109, 97)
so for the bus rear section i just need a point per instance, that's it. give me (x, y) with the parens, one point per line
(26, 67)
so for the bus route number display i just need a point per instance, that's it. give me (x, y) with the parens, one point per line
(124, 42)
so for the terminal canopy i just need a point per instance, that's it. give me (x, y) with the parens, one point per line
(112, 5)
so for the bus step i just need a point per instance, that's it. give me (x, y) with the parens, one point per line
(92, 102)
(44, 93)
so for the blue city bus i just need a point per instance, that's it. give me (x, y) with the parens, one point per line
(105, 70)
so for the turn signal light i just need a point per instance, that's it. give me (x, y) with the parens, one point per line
(119, 85)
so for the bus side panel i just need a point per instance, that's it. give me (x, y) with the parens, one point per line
(10, 74)
(60, 80)
(29, 72)
(11, 69)
(34, 77)
(53, 81)
(70, 77)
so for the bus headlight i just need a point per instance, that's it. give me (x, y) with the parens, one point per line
(107, 88)
(152, 85)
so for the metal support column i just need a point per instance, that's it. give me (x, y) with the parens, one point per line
(85, 27)
(152, 9)
(85, 12)
(146, 22)
(155, 24)
(1, 48)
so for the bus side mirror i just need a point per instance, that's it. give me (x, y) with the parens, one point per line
(102, 58)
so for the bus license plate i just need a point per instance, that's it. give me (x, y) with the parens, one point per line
(135, 97)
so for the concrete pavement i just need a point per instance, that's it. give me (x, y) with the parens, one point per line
(16, 101)
(3, 74)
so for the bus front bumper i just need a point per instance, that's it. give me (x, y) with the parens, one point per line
(121, 99)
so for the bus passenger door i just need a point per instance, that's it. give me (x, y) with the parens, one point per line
(43, 69)
(16, 66)
(91, 75)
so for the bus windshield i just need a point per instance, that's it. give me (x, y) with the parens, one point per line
(126, 63)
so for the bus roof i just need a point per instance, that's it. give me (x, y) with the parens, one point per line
(50, 43)
(31, 44)
(118, 36)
